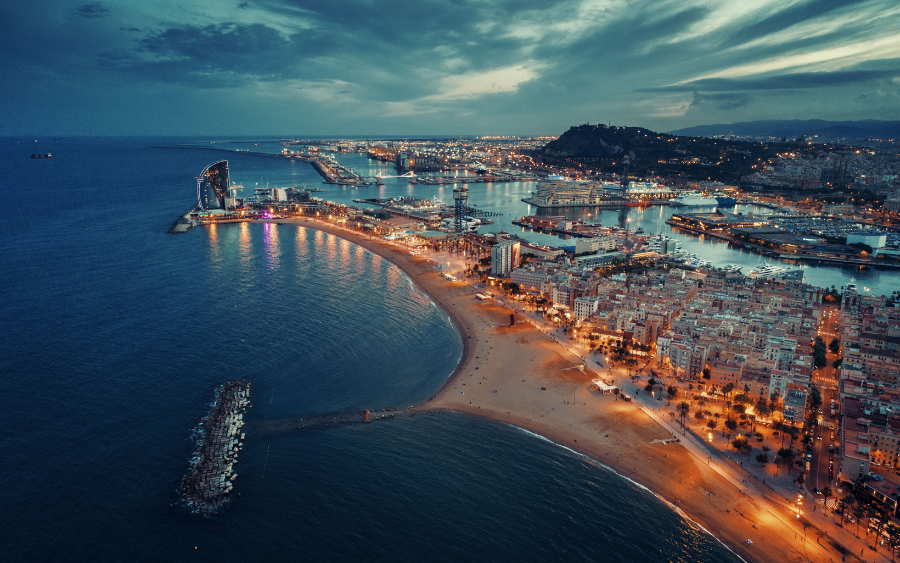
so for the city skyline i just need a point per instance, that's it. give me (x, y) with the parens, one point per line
(441, 68)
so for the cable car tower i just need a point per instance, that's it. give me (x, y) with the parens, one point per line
(460, 200)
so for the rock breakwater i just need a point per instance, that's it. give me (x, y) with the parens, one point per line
(219, 439)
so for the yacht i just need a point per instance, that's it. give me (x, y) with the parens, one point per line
(732, 269)
(692, 199)
(662, 244)
(765, 271)
(851, 286)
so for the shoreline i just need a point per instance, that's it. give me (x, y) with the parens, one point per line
(544, 389)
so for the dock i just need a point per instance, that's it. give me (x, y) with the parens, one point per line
(210, 480)
(617, 204)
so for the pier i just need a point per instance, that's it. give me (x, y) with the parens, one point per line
(211, 478)
(833, 260)
(616, 204)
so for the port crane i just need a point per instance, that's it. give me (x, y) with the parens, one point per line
(410, 175)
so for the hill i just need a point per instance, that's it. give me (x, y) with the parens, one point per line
(602, 148)
(818, 129)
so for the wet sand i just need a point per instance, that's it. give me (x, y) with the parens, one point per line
(518, 375)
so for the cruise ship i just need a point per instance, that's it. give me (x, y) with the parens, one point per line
(690, 199)
(648, 190)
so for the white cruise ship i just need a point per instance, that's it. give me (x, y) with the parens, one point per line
(652, 190)
(693, 199)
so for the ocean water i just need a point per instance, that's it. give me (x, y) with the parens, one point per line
(115, 335)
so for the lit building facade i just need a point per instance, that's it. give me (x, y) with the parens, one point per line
(504, 258)
(212, 186)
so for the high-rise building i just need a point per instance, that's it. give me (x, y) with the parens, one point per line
(212, 186)
(504, 257)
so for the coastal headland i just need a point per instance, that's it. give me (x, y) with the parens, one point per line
(520, 376)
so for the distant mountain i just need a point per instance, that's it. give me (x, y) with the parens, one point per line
(826, 130)
(602, 148)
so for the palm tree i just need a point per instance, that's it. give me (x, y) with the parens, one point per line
(826, 492)
(894, 538)
(683, 409)
(859, 511)
(844, 504)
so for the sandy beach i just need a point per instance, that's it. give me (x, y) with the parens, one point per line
(518, 375)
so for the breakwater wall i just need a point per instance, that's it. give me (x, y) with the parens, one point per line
(219, 439)
(263, 428)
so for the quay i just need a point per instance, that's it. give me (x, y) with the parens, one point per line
(557, 226)
(722, 236)
(336, 174)
(438, 180)
(841, 261)
(211, 478)
(618, 204)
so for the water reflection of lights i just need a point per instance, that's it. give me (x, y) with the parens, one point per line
(270, 241)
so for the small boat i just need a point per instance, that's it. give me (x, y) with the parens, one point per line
(46, 155)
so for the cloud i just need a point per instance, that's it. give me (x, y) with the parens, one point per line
(720, 101)
(90, 11)
(244, 5)
(790, 81)
(477, 84)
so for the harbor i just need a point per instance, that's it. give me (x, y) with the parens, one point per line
(210, 480)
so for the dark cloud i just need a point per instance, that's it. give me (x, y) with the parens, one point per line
(93, 10)
(781, 81)
(720, 101)
(244, 5)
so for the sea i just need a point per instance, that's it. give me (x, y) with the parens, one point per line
(115, 335)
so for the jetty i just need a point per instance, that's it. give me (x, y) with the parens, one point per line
(211, 475)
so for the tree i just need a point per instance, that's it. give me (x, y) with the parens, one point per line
(711, 424)
(820, 356)
(728, 389)
(894, 538)
(762, 458)
(785, 457)
(826, 492)
(859, 511)
(731, 425)
(837, 363)
(815, 399)
(774, 403)
(683, 409)
(762, 407)
(739, 444)
(844, 504)
(671, 392)
(698, 415)
(834, 346)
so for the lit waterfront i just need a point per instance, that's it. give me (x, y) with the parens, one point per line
(505, 198)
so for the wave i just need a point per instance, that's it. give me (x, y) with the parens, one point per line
(674, 508)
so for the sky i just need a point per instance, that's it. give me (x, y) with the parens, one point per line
(448, 67)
